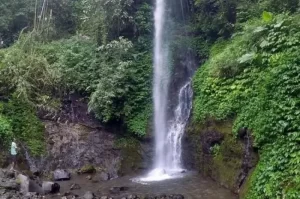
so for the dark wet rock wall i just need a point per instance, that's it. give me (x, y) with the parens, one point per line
(213, 150)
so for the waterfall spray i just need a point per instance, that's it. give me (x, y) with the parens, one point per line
(161, 83)
(168, 133)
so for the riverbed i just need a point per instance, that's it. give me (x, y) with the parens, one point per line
(191, 186)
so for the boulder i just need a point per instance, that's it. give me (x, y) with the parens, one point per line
(7, 180)
(9, 174)
(61, 174)
(35, 187)
(50, 187)
(24, 183)
(9, 184)
(88, 195)
(103, 176)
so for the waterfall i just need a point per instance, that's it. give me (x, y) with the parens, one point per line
(160, 84)
(177, 128)
(168, 132)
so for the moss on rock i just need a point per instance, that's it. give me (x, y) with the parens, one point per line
(217, 152)
(131, 155)
(87, 169)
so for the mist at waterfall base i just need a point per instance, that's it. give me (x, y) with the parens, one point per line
(170, 166)
(168, 133)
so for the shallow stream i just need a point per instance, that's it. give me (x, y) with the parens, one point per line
(192, 186)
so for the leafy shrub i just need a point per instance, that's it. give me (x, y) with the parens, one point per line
(254, 79)
(27, 73)
(5, 130)
(24, 125)
(123, 89)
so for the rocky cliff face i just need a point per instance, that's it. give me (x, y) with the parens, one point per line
(74, 139)
(72, 146)
(214, 151)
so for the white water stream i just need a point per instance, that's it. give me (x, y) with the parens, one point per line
(167, 163)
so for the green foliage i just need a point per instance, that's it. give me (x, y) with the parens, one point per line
(126, 142)
(143, 19)
(108, 97)
(5, 130)
(214, 19)
(76, 59)
(15, 15)
(33, 14)
(123, 90)
(267, 16)
(104, 20)
(24, 125)
(215, 150)
(115, 76)
(254, 78)
(27, 73)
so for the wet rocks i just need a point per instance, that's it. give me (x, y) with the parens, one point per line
(69, 195)
(103, 176)
(176, 196)
(161, 196)
(50, 187)
(132, 197)
(117, 190)
(24, 183)
(7, 180)
(13, 186)
(83, 144)
(89, 195)
(89, 177)
(61, 174)
(217, 153)
(9, 184)
(75, 186)
(87, 169)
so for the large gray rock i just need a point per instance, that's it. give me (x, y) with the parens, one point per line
(27, 185)
(9, 184)
(7, 180)
(103, 176)
(88, 195)
(24, 183)
(50, 187)
(61, 174)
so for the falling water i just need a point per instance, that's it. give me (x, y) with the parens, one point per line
(177, 128)
(167, 135)
(161, 83)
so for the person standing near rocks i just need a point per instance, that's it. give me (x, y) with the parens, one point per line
(13, 153)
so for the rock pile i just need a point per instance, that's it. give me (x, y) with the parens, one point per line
(17, 186)
(90, 195)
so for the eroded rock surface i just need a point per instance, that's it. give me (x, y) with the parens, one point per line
(212, 149)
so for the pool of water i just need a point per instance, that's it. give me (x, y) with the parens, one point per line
(192, 185)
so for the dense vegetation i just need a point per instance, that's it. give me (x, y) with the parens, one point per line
(253, 77)
(108, 60)
(102, 50)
